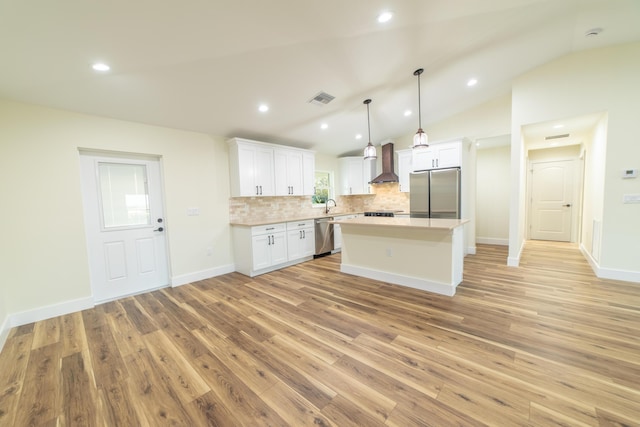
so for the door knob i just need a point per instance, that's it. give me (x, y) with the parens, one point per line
(159, 229)
(568, 205)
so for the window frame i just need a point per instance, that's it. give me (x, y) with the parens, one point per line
(330, 187)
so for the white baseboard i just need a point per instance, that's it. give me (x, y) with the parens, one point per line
(412, 282)
(42, 313)
(184, 279)
(609, 273)
(4, 331)
(471, 250)
(492, 241)
(49, 311)
(515, 261)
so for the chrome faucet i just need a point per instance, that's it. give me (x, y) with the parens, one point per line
(326, 205)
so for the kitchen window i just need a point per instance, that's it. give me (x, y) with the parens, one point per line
(323, 188)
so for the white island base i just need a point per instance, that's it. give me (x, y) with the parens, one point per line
(421, 253)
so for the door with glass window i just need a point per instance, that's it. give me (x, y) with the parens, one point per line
(125, 225)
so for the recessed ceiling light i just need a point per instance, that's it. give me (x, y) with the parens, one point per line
(324, 126)
(407, 113)
(358, 136)
(385, 17)
(100, 67)
(558, 126)
(263, 108)
(472, 82)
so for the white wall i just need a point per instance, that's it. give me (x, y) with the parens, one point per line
(492, 195)
(599, 80)
(43, 252)
(594, 178)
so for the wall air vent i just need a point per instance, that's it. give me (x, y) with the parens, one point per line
(321, 98)
(564, 135)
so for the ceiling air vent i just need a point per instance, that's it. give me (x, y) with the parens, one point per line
(321, 98)
(565, 135)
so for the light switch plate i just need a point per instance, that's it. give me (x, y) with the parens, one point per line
(631, 198)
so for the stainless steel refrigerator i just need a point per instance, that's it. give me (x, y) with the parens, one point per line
(435, 194)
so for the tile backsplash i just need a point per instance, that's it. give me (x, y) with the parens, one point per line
(386, 197)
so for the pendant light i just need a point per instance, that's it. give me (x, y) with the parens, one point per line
(369, 150)
(420, 139)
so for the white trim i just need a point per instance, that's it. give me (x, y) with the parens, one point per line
(398, 279)
(515, 261)
(184, 279)
(492, 241)
(49, 311)
(4, 332)
(608, 273)
(471, 250)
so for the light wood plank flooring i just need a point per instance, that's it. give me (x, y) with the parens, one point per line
(543, 344)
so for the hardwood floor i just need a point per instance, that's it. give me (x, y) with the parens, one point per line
(543, 344)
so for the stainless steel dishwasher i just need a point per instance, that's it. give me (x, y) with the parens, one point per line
(324, 235)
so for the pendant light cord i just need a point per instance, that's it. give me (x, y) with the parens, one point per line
(417, 73)
(368, 122)
(419, 103)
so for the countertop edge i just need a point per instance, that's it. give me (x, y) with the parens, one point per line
(410, 223)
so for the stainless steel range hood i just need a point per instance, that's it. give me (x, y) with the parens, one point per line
(387, 175)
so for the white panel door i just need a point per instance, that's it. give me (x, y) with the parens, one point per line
(125, 225)
(551, 200)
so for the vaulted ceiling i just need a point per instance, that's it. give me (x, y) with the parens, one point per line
(206, 66)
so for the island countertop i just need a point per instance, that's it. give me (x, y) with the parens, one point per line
(430, 223)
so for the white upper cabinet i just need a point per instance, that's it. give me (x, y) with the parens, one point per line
(355, 175)
(261, 169)
(405, 160)
(438, 156)
(251, 169)
(288, 172)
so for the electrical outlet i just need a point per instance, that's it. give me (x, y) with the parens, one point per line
(389, 252)
(193, 211)
(209, 251)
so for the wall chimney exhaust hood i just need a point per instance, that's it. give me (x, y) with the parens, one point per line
(387, 175)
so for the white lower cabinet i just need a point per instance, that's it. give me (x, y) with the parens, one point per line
(301, 242)
(269, 249)
(261, 249)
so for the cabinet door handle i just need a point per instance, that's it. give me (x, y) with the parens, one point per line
(304, 234)
(257, 193)
(300, 234)
(261, 190)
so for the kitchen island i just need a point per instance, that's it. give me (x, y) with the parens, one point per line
(421, 253)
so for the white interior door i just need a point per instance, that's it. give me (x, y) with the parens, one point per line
(552, 200)
(125, 225)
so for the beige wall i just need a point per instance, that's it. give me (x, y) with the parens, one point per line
(43, 255)
(599, 80)
(492, 195)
